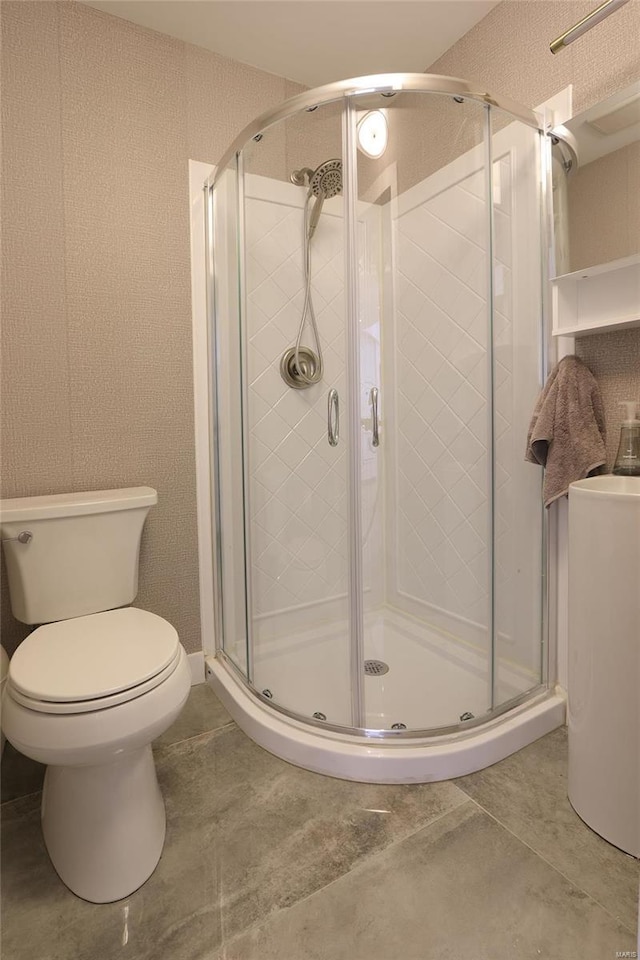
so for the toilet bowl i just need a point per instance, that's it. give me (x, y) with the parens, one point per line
(101, 796)
(87, 695)
(4, 670)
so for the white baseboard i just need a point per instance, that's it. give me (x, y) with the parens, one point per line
(196, 663)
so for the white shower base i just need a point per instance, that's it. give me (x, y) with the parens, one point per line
(432, 680)
(433, 677)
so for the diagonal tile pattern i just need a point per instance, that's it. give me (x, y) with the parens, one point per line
(298, 481)
(438, 535)
(441, 329)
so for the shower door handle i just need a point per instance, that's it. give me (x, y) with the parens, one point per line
(333, 417)
(375, 429)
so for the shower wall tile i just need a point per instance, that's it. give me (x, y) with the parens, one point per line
(441, 513)
(440, 505)
(298, 482)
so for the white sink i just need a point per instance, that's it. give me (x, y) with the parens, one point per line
(607, 485)
(604, 657)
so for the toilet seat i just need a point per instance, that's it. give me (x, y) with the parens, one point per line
(97, 703)
(93, 662)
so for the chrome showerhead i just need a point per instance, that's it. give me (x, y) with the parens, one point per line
(300, 367)
(326, 180)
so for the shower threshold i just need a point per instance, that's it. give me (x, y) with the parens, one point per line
(373, 760)
(414, 674)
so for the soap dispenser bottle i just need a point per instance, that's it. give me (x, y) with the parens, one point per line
(628, 459)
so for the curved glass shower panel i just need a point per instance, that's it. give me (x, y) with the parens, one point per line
(378, 341)
(293, 329)
(224, 230)
(517, 376)
(425, 360)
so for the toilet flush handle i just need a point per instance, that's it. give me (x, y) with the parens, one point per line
(25, 536)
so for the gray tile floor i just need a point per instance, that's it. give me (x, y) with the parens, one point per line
(263, 860)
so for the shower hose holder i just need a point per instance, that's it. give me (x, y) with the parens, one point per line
(302, 374)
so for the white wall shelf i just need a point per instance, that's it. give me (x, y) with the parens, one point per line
(598, 299)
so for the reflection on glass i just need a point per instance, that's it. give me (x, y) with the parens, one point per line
(424, 322)
(293, 329)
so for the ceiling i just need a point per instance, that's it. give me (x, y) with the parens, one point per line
(312, 41)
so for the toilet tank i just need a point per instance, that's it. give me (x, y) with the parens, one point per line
(82, 556)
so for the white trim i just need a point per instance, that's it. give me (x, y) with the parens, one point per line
(257, 187)
(196, 665)
(198, 173)
(271, 190)
(557, 110)
(520, 147)
(444, 178)
(597, 299)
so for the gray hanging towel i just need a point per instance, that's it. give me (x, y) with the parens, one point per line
(567, 432)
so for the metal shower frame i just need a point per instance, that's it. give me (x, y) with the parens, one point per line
(385, 85)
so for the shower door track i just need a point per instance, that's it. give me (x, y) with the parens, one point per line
(442, 734)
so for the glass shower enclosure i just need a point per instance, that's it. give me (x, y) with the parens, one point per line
(377, 347)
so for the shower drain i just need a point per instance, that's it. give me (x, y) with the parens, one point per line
(375, 668)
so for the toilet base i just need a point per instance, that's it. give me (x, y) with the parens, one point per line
(104, 826)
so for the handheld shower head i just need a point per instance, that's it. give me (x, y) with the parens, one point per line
(315, 215)
(300, 366)
(324, 182)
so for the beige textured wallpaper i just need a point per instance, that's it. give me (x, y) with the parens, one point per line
(614, 360)
(604, 208)
(508, 51)
(604, 224)
(99, 120)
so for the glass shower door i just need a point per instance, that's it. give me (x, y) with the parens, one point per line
(296, 438)
(424, 261)
(224, 230)
(381, 537)
(517, 369)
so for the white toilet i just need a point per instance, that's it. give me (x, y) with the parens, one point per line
(88, 692)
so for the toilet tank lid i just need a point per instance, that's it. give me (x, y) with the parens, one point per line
(76, 504)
